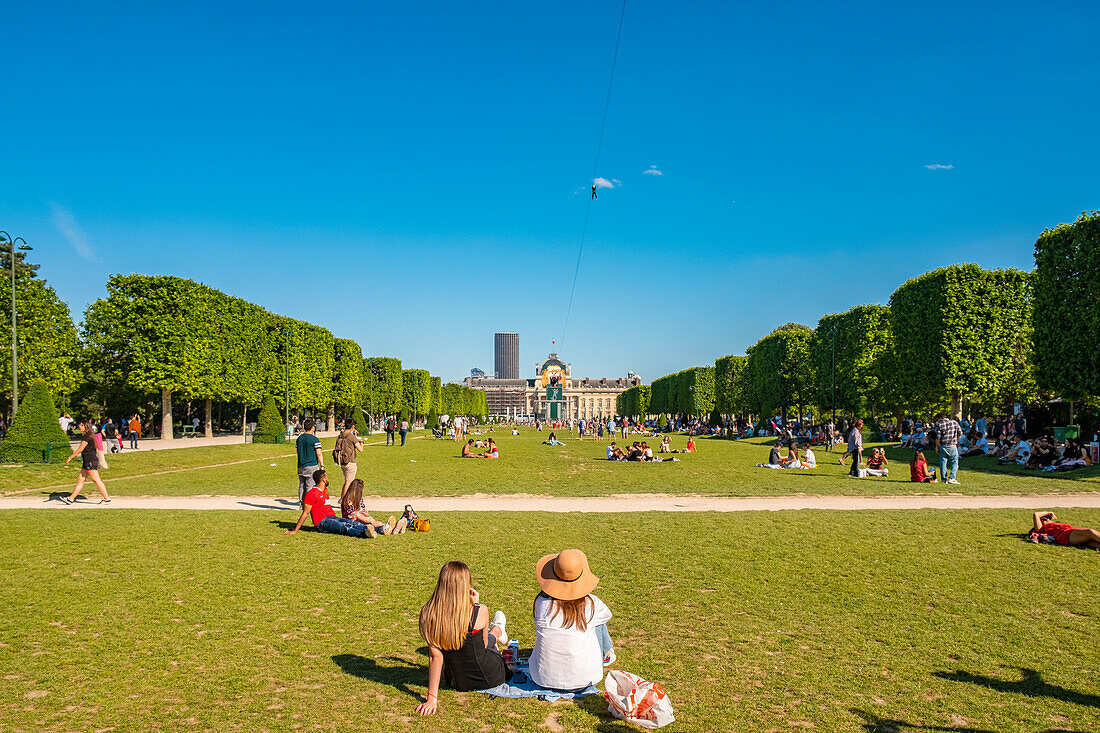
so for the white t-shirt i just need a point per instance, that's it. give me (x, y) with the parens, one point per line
(566, 659)
(65, 422)
(810, 459)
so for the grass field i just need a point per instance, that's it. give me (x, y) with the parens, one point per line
(432, 467)
(862, 621)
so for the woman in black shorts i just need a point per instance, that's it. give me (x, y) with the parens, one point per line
(90, 467)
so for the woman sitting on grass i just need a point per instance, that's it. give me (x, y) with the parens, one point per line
(918, 470)
(876, 464)
(552, 440)
(1047, 528)
(491, 450)
(809, 460)
(353, 507)
(691, 445)
(666, 444)
(572, 645)
(462, 645)
(791, 461)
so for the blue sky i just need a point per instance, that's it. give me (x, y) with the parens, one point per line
(413, 175)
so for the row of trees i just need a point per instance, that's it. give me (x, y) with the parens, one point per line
(956, 335)
(175, 338)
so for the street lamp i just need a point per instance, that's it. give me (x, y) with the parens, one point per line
(287, 332)
(833, 401)
(5, 237)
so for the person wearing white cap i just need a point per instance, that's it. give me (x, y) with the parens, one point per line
(572, 645)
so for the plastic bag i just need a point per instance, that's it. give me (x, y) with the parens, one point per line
(635, 700)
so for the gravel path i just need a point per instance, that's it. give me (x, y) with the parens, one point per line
(605, 504)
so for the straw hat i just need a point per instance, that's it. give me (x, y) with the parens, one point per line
(566, 575)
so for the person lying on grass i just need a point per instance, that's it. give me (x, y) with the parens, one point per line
(353, 507)
(324, 519)
(1046, 528)
(462, 644)
(552, 440)
(491, 450)
(918, 469)
(572, 645)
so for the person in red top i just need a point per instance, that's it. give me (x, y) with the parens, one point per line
(1045, 523)
(918, 470)
(324, 518)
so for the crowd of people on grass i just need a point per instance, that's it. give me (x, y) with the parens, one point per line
(489, 448)
(641, 451)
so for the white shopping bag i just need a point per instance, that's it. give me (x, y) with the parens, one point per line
(637, 701)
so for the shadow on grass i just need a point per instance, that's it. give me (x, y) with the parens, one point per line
(1032, 685)
(399, 676)
(284, 524)
(596, 706)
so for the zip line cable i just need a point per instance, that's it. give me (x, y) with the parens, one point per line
(595, 169)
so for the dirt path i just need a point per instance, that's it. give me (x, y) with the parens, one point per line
(600, 504)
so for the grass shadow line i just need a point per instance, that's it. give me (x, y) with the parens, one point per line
(875, 724)
(1031, 684)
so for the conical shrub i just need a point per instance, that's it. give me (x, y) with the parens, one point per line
(269, 425)
(35, 435)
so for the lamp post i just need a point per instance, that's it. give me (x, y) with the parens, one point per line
(287, 333)
(5, 237)
(833, 401)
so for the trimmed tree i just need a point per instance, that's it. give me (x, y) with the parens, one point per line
(850, 345)
(35, 434)
(1066, 287)
(779, 373)
(269, 425)
(347, 378)
(959, 333)
(729, 393)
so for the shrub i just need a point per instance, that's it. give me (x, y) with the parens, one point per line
(35, 435)
(433, 418)
(269, 425)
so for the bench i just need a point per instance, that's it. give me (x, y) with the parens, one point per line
(187, 430)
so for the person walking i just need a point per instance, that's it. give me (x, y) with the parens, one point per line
(404, 431)
(948, 432)
(855, 447)
(89, 468)
(390, 428)
(310, 458)
(348, 447)
(100, 449)
(135, 431)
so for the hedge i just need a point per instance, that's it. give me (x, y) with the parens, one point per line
(35, 435)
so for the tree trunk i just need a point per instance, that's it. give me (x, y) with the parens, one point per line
(209, 415)
(166, 414)
(331, 417)
(244, 420)
(956, 406)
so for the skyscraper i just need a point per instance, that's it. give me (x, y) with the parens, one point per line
(506, 356)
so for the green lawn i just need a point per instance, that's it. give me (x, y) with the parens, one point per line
(432, 467)
(854, 621)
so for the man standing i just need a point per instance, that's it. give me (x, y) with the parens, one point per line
(948, 432)
(310, 458)
(348, 447)
(855, 447)
(135, 431)
(65, 421)
(981, 426)
(404, 431)
(390, 427)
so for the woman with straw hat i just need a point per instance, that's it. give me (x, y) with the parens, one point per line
(572, 645)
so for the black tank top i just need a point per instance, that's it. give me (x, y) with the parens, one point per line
(474, 666)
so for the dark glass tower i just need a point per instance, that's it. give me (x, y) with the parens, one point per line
(506, 356)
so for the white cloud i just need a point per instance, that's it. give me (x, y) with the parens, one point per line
(604, 183)
(939, 167)
(652, 171)
(66, 223)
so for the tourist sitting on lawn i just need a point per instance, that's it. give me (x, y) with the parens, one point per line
(791, 461)
(552, 440)
(491, 450)
(462, 643)
(774, 461)
(647, 452)
(1074, 456)
(918, 469)
(1043, 454)
(691, 445)
(324, 519)
(1047, 528)
(876, 463)
(615, 453)
(666, 444)
(809, 460)
(979, 446)
(1019, 453)
(572, 645)
(353, 507)
(468, 449)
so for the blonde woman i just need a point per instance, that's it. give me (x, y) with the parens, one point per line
(90, 463)
(462, 644)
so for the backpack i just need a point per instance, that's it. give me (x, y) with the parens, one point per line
(344, 451)
(416, 523)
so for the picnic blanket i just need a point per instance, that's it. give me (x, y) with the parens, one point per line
(521, 685)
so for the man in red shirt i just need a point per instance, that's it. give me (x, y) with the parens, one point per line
(324, 518)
